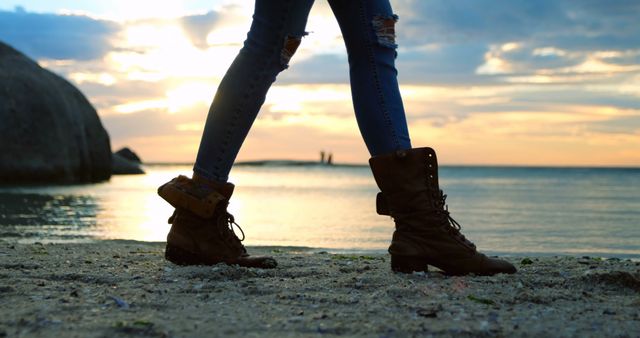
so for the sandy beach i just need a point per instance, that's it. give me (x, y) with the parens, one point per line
(126, 288)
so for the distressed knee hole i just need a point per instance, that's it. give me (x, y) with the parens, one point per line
(385, 29)
(291, 44)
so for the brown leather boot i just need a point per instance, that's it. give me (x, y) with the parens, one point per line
(425, 232)
(201, 228)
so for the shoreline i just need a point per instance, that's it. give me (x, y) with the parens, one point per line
(309, 249)
(126, 288)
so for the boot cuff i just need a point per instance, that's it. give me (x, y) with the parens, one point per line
(223, 188)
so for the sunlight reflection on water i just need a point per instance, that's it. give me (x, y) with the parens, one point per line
(507, 210)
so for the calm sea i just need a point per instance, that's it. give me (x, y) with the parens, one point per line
(504, 210)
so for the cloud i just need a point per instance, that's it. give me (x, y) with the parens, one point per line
(588, 24)
(467, 42)
(450, 42)
(319, 68)
(198, 27)
(508, 77)
(153, 122)
(443, 64)
(473, 21)
(53, 36)
(106, 97)
(618, 125)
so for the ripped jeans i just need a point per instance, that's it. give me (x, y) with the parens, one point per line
(368, 28)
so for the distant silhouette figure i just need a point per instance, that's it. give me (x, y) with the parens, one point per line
(201, 231)
(330, 158)
(322, 156)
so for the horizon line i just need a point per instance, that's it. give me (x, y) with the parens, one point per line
(290, 162)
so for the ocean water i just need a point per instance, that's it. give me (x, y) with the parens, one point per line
(504, 210)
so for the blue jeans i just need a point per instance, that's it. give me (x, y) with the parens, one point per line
(277, 29)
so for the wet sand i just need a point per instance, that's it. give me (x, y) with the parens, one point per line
(124, 288)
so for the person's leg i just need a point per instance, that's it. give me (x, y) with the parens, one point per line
(201, 227)
(368, 28)
(277, 29)
(408, 178)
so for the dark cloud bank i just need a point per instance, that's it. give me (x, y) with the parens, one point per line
(462, 31)
(78, 37)
(53, 36)
(444, 42)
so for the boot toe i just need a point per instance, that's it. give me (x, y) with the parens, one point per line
(481, 266)
(268, 263)
(261, 262)
(500, 266)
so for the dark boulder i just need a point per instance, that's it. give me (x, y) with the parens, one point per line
(49, 132)
(126, 162)
(129, 155)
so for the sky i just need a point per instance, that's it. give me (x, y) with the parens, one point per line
(492, 82)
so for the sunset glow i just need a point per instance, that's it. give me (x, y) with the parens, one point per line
(503, 93)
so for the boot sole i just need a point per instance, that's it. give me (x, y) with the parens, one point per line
(179, 256)
(408, 264)
(183, 257)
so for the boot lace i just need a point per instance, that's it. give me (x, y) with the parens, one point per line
(439, 208)
(226, 223)
(451, 224)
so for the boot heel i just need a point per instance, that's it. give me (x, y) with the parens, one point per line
(181, 257)
(408, 264)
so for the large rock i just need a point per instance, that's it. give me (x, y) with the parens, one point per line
(49, 132)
